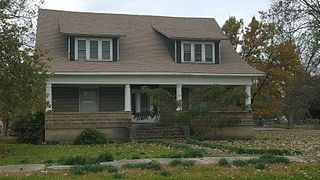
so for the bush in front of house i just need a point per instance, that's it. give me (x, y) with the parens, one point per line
(29, 129)
(91, 136)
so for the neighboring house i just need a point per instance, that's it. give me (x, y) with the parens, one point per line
(100, 61)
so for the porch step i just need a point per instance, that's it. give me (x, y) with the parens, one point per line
(145, 132)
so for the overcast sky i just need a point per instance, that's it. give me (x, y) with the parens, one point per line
(218, 9)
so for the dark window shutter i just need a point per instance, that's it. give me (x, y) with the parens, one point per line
(178, 51)
(115, 49)
(72, 48)
(217, 52)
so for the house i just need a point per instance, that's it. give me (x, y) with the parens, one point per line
(100, 61)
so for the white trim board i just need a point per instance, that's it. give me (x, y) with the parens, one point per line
(157, 73)
(138, 79)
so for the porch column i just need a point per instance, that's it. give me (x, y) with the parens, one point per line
(138, 101)
(48, 96)
(127, 98)
(248, 98)
(179, 97)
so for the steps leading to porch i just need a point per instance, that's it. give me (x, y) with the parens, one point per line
(146, 132)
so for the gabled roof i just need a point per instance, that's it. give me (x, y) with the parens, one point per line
(141, 47)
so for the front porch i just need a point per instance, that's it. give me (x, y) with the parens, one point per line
(78, 102)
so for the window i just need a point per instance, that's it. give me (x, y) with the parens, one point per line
(93, 49)
(105, 49)
(208, 53)
(187, 52)
(199, 52)
(88, 100)
(82, 49)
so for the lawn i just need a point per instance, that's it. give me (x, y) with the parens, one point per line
(305, 141)
(276, 171)
(23, 153)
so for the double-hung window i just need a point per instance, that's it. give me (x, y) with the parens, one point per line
(198, 52)
(93, 49)
(187, 52)
(82, 49)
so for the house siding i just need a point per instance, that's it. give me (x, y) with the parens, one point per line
(65, 99)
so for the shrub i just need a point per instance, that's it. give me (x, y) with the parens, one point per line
(239, 162)
(260, 165)
(29, 129)
(179, 162)
(104, 157)
(192, 153)
(165, 173)
(84, 169)
(269, 158)
(223, 162)
(153, 165)
(76, 160)
(82, 160)
(91, 136)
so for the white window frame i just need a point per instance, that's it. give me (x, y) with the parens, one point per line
(89, 88)
(88, 48)
(203, 53)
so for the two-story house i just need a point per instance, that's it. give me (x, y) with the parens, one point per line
(100, 61)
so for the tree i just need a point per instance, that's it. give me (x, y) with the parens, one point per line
(271, 95)
(23, 71)
(299, 23)
(232, 28)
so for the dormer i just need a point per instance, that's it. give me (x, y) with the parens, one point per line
(87, 43)
(192, 43)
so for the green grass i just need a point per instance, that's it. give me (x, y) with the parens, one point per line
(205, 172)
(17, 153)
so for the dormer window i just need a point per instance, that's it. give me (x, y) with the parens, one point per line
(198, 52)
(93, 49)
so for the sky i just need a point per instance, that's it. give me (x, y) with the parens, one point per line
(218, 9)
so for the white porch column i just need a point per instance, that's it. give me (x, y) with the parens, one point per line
(248, 98)
(138, 101)
(179, 97)
(49, 96)
(127, 98)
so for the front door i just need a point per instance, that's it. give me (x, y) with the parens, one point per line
(141, 104)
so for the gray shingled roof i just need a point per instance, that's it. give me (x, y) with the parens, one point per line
(141, 47)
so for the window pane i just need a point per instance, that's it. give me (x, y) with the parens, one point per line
(198, 52)
(81, 44)
(81, 49)
(208, 52)
(105, 49)
(88, 100)
(93, 49)
(187, 52)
